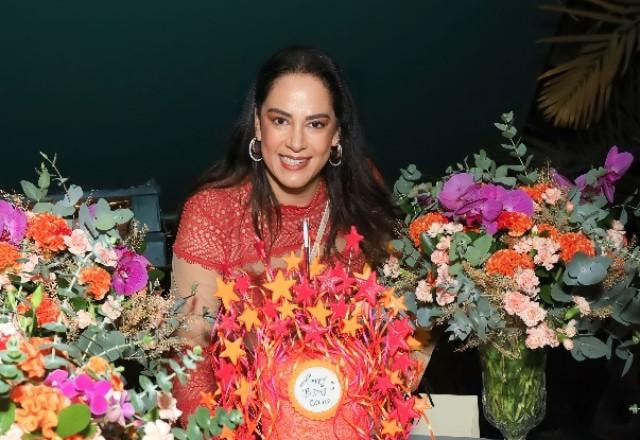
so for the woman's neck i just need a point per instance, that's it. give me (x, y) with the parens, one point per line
(297, 197)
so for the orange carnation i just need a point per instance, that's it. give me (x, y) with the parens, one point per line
(574, 242)
(46, 312)
(517, 223)
(33, 365)
(536, 191)
(545, 229)
(506, 262)
(423, 224)
(8, 255)
(48, 231)
(97, 365)
(97, 279)
(39, 408)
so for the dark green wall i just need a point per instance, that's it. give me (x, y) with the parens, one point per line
(128, 90)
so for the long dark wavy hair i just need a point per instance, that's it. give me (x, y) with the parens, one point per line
(355, 190)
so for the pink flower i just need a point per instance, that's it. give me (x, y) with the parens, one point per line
(551, 195)
(444, 297)
(616, 238)
(567, 343)
(570, 329)
(527, 281)
(515, 302)
(435, 229)
(111, 308)
(77, 242)
(84, 319)
(167, 406)
(524, 245)
(541, 336)
(617, 225)
(27, 268)
(444, 244)
(423, 291)
(546, 252)
(391, 268)
(106, 255)
(532, 314)
(439, 257)
(131, 274)
(451, 228)
(582, 303)
(443, 277)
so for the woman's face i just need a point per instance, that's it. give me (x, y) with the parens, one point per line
(297, 127)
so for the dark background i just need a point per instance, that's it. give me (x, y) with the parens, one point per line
(125, 91)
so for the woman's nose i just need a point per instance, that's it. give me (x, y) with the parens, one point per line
(296, 139)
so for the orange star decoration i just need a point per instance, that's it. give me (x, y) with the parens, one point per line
(421, 404)
(394, 378)
(351, 326)
(233, 350)
(293, 261)
(316, 268)
(227, 433)
(243, 391)
(393, 302)
(413, 343)
(320, 312)
(391, 427)
(225, 292)
(365, 274)
(250, 318)
(286, 309)
(280, 287)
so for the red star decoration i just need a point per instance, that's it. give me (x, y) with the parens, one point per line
(269, 309)
(383, 385)
(346, 282)
(328, 281)
(305, 294)
(397, 332)
(369, 290)
(225, 373)
(242, 284)
(339, 309)
(353, 241)
(313, 332)
(228, 324)
(405, 409)
(402, 362)
(280, 327)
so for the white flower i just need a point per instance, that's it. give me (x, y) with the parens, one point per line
(391, 268)
(14, 433)
(8, 329)
(84, 319)
(157, 430)
(77, 242)
(167, 405)
(423, 291)
(111, 308)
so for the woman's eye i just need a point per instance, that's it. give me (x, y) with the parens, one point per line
(279, 121)
(318, 124)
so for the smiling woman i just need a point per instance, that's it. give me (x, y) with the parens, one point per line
(297, 152)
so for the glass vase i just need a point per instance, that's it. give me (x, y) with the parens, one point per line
(513, 387)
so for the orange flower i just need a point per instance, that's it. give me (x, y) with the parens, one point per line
(506, 262)
(98, 365)
(209, 401)
(8, 255)
(48, 231)
(536, 191)
(545, 229)
(422, 224)
(574, 242)
(46, 312)
(97, 279)
(39, 408)
(33, 365)
(116, 382)
(517, 223)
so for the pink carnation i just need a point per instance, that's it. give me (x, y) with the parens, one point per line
(444, 277)
(616, 238)
(444, 244)
(583, 304)
(515, 302)
(567, 343)
(551, 195)
(439, 257)
(524, 245)
(391, 268)
(532, 314)
(423, 291)
(570, 329)
(444, 297)
(77, 243)
(527, 281)
(541, 336)
(106, 255)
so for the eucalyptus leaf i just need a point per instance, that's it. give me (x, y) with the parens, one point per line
(73, 419)
(73, 196)
(44, 179)
(591, 347)
(31, 191)
(104, 221)
(122, 216)
(42, 207)
(586, 271)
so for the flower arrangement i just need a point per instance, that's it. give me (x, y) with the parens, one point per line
(325, 342)
(78, 302)
(504, 249)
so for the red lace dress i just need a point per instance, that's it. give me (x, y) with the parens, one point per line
(216, 235)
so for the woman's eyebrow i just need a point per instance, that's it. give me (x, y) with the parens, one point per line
(288, 115)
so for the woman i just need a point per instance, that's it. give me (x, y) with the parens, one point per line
(297, 152)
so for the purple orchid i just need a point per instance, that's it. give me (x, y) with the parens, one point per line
(131, 274)
(13, 223)
(60, 379)
(454, 191)
(119, 407)
(615, 166)
(94, 391)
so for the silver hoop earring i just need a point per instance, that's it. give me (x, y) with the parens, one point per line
(252, 154)
(337, 159)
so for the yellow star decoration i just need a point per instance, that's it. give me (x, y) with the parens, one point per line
(391, 427)
(413, 343)
(316, 268)
(280, 287)
(421, 404)
(225, 292)
(233, 350)
(286, 309)
(250, 318)
(351, 326)
(227, 433)
(293, 261)
(393, 302)
(243, 391)
(365, 274)
(320, 312)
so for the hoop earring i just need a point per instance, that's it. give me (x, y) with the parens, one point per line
(337, 160)
(252, 154)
